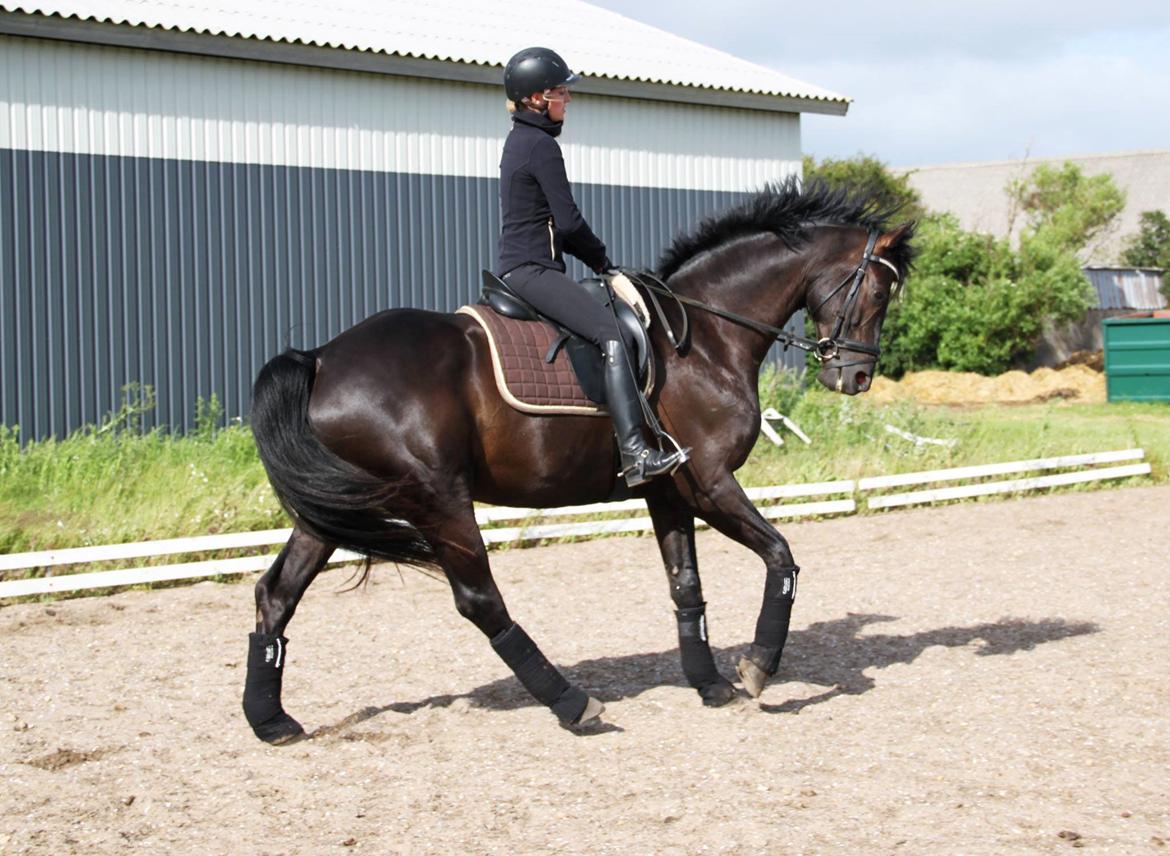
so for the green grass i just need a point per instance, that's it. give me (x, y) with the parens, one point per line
(107, 488)
(850, 439)
(115, 483)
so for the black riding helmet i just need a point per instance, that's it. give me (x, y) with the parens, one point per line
(535, 70)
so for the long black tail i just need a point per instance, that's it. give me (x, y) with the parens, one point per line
(335, 500)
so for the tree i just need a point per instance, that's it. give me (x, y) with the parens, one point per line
(1150, 247)
(975, 302)
(869, 176)
(1064, 207)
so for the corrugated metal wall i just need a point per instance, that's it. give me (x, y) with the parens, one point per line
(185, 273)
(87, 99)
(187, 276)
(1127, 288)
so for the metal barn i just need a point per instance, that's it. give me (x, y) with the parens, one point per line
(186, 189)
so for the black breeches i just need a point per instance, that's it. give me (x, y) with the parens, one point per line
(558, 297)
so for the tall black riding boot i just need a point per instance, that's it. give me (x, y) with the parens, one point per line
(639, 461)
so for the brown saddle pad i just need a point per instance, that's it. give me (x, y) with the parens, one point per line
(523, 377)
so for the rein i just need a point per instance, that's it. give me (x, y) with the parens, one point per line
(823, 349)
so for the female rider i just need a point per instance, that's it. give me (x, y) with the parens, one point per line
(540, 220)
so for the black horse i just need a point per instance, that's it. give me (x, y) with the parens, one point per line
(381, 440)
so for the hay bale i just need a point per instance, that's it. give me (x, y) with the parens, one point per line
(1076, 383)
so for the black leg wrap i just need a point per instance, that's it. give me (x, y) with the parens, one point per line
(538, 675)
(775, 614)
(697, 663)
(262, 690)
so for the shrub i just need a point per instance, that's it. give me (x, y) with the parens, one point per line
(869, 175)
(1150, 247)
(977, 304)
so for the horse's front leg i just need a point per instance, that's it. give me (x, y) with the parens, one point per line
(674, 526)
(727, 508)
(277, 594)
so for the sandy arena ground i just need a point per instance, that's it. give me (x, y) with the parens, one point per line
(984, 678)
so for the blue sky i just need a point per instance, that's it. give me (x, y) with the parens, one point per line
(937, 82)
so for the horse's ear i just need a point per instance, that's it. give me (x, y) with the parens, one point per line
(892, 239)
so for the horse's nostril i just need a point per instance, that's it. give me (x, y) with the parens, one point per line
(862, 380)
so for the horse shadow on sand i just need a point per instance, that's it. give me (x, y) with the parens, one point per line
(833, 654)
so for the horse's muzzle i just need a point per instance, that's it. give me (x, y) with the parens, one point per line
(848, 377)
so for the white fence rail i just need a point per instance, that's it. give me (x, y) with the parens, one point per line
(143, 549)
(1011, 486)
(960, 473)
(530, 530)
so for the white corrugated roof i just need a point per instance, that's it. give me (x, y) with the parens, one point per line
(594, 41)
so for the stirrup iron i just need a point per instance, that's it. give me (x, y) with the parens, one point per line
(635, 473)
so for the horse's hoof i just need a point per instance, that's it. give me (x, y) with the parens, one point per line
(753, 677)
(291, 737)
(280, 730)
(591, 715)
(717, 695)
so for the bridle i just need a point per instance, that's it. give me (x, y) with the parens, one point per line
(830, 346)
(823, 349)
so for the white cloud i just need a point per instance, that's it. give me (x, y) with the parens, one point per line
(935, 110)
(951, 81)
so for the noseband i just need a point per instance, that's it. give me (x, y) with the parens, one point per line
(823, 349)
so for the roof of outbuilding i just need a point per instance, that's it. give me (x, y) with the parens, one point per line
(595, 42)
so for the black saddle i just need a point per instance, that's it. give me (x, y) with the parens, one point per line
(584, 356)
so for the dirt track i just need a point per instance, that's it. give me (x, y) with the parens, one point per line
(985, 678)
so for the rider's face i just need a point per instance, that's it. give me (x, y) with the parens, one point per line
(557, 99)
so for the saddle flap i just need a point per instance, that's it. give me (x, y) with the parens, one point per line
(627, 318)
(632, 324)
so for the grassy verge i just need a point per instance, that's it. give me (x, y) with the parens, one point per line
(850, 438)
(106, 488)
(117, 484)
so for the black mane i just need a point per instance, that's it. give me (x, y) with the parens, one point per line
(786, 210)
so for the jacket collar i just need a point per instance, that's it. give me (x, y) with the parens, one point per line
(538, 120)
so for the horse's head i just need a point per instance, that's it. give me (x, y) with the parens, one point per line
(847, 300)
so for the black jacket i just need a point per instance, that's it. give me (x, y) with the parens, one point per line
(540, 219)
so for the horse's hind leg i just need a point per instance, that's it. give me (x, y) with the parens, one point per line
(674, 527)
(460, 551)
(277, 594)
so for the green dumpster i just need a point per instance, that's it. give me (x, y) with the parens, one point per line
(1137, 358)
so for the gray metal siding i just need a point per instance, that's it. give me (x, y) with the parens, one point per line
(1127, 288)
(187, 275)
